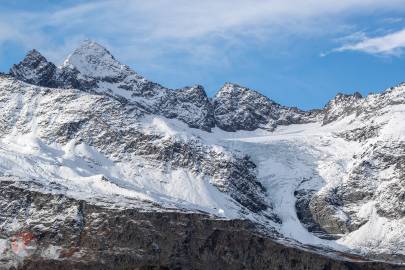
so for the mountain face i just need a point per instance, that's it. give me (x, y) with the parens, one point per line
(34, 69)
(239, 108)
(93, 69)
(341, 105)
(101, 168)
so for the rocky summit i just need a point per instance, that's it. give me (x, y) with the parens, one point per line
(101, 168)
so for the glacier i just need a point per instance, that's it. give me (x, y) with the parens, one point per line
(94, 130)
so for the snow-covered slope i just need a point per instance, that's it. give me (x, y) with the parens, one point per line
(93, 129)
(92, 68)
(240, 108)
(342, 180)
(78, 135)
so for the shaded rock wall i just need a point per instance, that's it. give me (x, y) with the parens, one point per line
(85, 236)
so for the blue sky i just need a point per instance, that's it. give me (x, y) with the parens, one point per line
(298, 53)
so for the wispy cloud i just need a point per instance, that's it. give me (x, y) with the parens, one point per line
(146, 31)
(389, 44)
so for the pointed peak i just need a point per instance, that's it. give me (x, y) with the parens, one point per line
(355, 95)
(236, 90)
(93, 60)
(33, 58)
(196, 87)
(90, 47)
(235, 87)
(34, 68)
(197, 90)
(232, 85)
(34, 53)
(344, 99)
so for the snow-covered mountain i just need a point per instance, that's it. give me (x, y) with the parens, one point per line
(94, 132)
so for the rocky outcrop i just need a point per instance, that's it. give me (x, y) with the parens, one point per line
(378, 176)
(35, 69)
(51, 231)
(340, 106)
(63, 116)
(360, 134)
(190, 105)
(92, 68)
(93, 142)
(307, 217)
(372, 184)
(240, 108)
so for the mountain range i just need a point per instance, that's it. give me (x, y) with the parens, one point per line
(101, 168)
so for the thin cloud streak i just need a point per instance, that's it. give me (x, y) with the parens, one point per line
(200, 30)
(390, 44)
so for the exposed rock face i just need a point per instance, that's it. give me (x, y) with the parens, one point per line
(383, 166)
(97, 70)
(308, 216)
(326, 209)
(112, 128)
(190, 105)
(240, 108)
(342, 105)
(361, 133)
(50, 231)
(92, 68)
(373, 182)
(236, 108)
(94, 134)
(35, 69)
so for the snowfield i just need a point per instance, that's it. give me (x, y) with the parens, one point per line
(290, 158)
(312, 157)
(95, 130)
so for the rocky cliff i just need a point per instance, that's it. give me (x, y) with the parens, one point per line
(62, 233)
(101, 168)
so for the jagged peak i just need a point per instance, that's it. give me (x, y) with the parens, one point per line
(341, 95)
(230, 84)
(93, 60)
(32, 59)
(34, 68)
(342, 98)
(197, 89)
(197, 86)
(92, 48)
(34, 54)
(340, 106)
(399, 87)
(233, 88)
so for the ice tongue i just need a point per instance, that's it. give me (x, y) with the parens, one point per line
(93, 60)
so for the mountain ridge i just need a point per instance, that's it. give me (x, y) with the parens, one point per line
(126, 85)
(330, 178)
